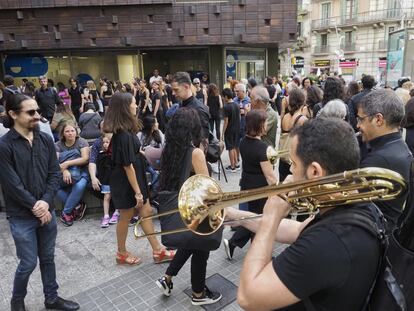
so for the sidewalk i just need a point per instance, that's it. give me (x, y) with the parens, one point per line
(87, 271)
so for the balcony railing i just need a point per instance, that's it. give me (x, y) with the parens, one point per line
(322, 49)
(348, 46)
(362, 18)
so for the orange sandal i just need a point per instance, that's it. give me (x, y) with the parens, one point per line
(127, 259)
(163, 255)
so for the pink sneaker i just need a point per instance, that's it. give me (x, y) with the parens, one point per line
(114, 219)
(105, 222)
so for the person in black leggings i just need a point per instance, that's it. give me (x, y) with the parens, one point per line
(183, 133)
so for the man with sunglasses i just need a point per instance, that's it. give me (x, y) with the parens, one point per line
(378, 119)
(30, 176)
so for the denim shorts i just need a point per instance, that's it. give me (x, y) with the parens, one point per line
(105, 189)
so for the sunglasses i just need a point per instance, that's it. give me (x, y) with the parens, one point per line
(32, 112)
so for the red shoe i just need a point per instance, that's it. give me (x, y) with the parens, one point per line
(67, 220)
(163, 256)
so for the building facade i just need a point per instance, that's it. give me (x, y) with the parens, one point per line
(350, 36)
(121, 39)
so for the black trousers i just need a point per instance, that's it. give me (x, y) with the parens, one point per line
(198, 266)
(242, 235)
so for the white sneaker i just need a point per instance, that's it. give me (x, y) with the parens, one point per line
(207, 298)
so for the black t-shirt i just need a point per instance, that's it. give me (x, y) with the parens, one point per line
(390, 151)
(232, 112)
(252, 151)
(75, 97)
(332, 265)
(213, 103)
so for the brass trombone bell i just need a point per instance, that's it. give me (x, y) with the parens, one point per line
(273, 155)
(201, 202)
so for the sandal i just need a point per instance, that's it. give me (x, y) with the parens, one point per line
(163, 255)
(127, 259)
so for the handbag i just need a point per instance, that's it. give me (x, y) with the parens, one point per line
(168, 200)
(213, 149)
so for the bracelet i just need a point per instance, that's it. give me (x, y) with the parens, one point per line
(139, 195)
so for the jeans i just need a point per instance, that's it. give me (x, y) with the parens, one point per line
(32, 241)
(72, 195)
(215, 121)
(198, 266)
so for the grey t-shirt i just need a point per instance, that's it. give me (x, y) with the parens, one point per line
(79, 144)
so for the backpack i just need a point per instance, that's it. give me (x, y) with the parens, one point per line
(392, 288)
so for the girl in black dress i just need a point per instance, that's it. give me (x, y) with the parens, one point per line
(128, 183)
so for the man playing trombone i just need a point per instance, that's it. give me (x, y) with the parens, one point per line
(330, 266)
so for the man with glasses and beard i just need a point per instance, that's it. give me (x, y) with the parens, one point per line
(331, 263)
(378, 119)
(30, 176)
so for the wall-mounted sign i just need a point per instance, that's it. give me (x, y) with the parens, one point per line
(348, 63)
(300, 62)
(382, 63)
(322, 63)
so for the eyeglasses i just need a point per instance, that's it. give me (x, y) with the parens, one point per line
(196, 83)
(361, 119)
(32, 112)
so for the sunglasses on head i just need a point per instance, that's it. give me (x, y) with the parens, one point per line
(32, 112)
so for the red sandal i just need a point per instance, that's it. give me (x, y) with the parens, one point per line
(127, 259)
(163, 256)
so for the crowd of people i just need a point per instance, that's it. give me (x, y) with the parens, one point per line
(128, 142)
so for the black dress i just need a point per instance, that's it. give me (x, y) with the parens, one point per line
(125, 151)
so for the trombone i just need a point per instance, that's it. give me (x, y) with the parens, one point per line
(202, 203)
(273, 155)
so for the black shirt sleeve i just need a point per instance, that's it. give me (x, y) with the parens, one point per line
(54, 174)
(262, 151)
(125, 152)
(227, 110)
(316, 261)
(10, 180)
(374, 160)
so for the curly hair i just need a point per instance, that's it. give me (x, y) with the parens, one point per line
(333, 89)
(183, 129)
(313, 96)
(296, 100)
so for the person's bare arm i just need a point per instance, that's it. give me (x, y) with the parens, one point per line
(267, 169)
(225, 124)
(288, 230)
(260, 287)
(198, 161)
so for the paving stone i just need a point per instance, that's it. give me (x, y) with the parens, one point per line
(87, 271)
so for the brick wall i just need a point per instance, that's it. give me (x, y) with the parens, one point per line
(63, 24)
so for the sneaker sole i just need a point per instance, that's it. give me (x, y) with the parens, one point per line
(209, 302)
(165, 293)
(65, 223)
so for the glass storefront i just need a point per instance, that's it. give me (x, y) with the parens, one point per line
(83, 65)
(246, 63)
